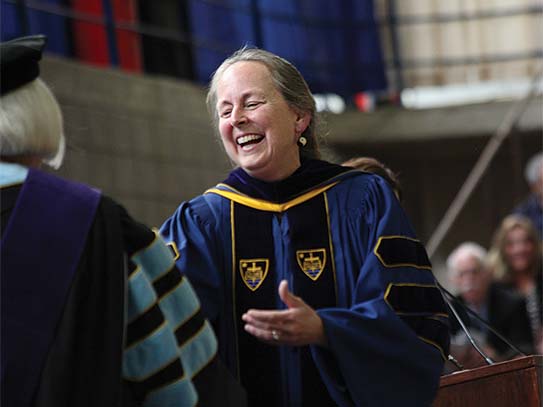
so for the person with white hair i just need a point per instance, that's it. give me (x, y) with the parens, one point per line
(532, 206)
(94, 311)
(310, 272)
(473, 282)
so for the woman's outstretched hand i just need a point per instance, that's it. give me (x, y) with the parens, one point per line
(298, 325)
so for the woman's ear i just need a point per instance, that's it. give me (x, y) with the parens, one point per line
(302, 121)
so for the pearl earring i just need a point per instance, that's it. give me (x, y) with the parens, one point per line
(302, 141)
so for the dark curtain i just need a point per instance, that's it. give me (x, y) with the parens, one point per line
(335, 44)
(166, 56)
(18, 20)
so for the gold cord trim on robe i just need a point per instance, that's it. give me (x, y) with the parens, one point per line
(263, 205)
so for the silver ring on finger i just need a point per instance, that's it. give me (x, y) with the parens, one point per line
(275, 335)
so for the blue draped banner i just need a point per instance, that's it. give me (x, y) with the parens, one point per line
(335, 44)
(19, 20)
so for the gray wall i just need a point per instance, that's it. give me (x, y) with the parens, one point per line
(144, 141)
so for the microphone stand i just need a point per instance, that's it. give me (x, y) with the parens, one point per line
(479, 318)
(463, 326)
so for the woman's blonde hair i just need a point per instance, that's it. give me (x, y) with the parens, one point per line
(498, 261)
(31, 124)
(288, 81)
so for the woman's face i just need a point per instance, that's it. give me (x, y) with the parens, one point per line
(519, 250)
(258, 128)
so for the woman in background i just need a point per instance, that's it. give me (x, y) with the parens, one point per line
(516, 259)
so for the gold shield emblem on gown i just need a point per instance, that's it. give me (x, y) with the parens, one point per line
(253, 272)
(312, 262)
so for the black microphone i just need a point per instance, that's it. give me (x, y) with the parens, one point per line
(479, 318)
(463, 326)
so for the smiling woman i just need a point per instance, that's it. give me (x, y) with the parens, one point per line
(259, 130)
(287, 254)
(286, 80)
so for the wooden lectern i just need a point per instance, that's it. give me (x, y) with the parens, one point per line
(515, 383)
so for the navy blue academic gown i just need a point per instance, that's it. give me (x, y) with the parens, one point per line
(346, 247)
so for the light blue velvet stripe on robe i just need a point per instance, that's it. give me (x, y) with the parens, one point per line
(180, 393)
(150, 355)
(142, 295)
(160, 348)
(199, 350)
(156, 259)
(180, 304)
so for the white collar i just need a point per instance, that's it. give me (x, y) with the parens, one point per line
(12, 174)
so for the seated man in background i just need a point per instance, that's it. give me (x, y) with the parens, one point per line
(94, 311)
(503, 310)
